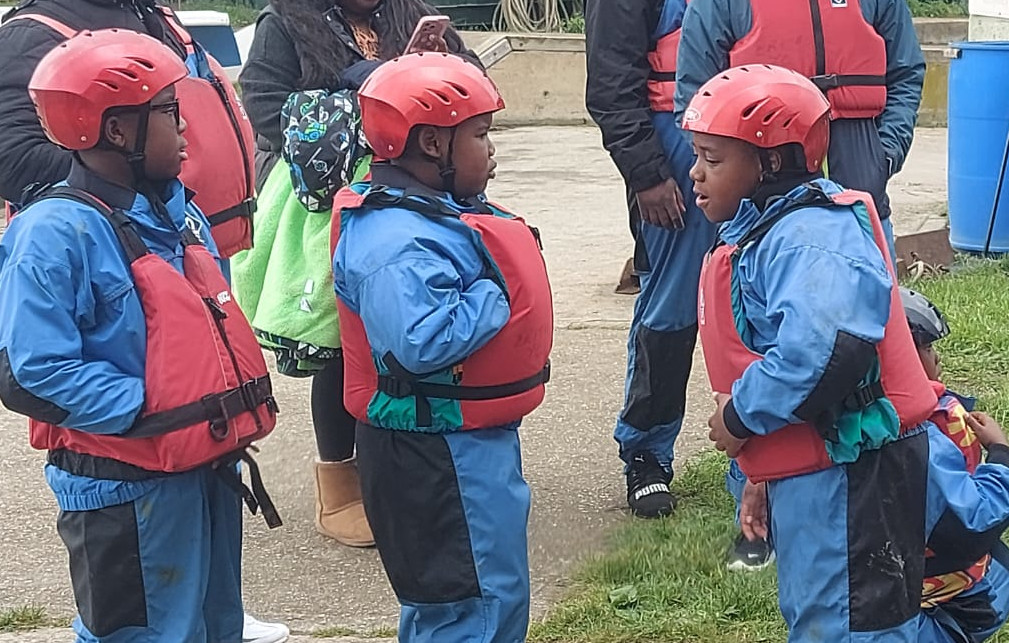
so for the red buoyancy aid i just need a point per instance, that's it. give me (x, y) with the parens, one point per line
(662, 60)
(501, 382)
(827, 40)
(207, 390)
(220, 167)
(662, 78)
(798, 448)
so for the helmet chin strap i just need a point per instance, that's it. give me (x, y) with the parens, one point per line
(446, 169)
(136, 157)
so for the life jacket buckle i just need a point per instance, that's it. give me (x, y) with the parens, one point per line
(826, 81)
(395, 386)
(862, 397)
(218, 416)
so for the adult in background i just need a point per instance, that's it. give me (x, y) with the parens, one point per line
(308, 59)
(34, 28)
(631, 56)
(863, 54)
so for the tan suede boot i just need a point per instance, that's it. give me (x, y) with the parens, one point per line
(339, 512)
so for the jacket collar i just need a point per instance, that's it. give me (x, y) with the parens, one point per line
(767, 202)
(385, 174)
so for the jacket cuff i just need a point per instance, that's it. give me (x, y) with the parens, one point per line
(998, 454)
(645, 178)
(735, 425)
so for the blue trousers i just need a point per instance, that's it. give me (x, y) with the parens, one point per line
(850, 547)
(449, 513)
(660, 345)
(163, 568)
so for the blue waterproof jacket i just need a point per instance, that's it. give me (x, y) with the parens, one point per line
(815, 297)
(712, 27)
(421, 287)
(72, 330)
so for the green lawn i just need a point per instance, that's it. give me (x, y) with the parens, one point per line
(665, 581)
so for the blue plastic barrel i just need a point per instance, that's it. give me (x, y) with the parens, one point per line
(978, 143)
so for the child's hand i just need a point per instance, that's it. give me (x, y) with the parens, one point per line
(986, 428)
(753, 511)
(719, 434)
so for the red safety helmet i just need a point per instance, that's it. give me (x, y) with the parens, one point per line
(422, 89)
(764, 105)
(75, 83)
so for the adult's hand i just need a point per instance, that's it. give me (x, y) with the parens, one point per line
(432, 42)
(662, 205)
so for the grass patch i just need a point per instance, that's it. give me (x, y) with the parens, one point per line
(665, 581)
(938, 8)
(22, 619)
(333, 632)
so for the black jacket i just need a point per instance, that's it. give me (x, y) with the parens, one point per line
(618, 36)
(273, 70)
(28, 156)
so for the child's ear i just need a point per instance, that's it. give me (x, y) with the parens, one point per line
(429, 141)
(774, 159)
(114, 131)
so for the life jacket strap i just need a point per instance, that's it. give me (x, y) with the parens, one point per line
(216, 408)
(400, 383)
(245, 209)
(256, 499)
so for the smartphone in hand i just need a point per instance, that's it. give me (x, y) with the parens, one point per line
(427, 27)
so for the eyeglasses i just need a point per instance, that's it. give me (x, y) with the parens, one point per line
(172, 109)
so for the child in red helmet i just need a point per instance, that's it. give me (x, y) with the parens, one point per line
(446, 322)
(120, 340)
(819, 388)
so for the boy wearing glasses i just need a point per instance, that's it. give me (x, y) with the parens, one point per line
(108, 285)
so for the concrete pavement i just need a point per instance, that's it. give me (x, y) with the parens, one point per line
(561, 180)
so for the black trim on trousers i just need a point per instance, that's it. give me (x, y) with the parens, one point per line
(657, 391)
(414, 506)
(886, 544)
(105, 570)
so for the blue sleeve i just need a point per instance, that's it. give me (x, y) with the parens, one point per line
(707, 36)
(980, 501)
(42, 301)
(816, 297)
(905, 74)
(419, 310)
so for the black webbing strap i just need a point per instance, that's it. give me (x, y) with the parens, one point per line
(217, 408)
(812, 196)
(256, 498)
(863, 396)
(124, 228)
(400, 383)
(662, 76)
(833, 81)
(244, 209)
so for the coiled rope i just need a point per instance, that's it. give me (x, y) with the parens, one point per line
(530, 16)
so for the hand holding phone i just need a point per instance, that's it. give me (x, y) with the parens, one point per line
(429, 35)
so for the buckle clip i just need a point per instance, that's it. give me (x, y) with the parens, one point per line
(395, 386)
(218, 413)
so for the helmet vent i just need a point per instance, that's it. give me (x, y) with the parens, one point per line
(788, 121)
(146, 64)
(459, 89)
(440, 96)
(126, 74)
(107, 85)
(770, 117)
(426, 106)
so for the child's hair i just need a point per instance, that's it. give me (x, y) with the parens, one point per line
(926, 321)
(323, 58)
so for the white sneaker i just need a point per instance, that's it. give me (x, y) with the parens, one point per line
(254, 631)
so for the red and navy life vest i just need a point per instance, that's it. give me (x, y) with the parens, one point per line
(798, 449)
(498, 384)
(828, 41)
(207, 392)
(662, 59)
(220, 168)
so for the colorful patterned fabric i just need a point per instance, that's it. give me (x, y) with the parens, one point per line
(323, 144)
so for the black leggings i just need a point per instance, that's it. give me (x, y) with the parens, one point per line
(334, 426)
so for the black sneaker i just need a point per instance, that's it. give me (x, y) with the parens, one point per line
(749, 555)
(648, 487)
